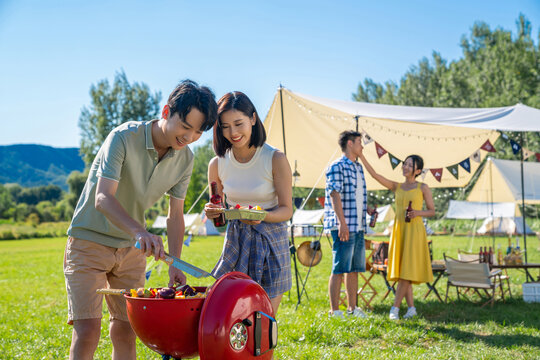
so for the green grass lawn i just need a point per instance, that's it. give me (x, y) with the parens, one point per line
(33, 312)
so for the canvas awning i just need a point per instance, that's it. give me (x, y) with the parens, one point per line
(444, 137)
(500, 181)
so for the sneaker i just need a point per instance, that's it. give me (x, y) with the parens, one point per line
(357, 312)
(336, 313)
(394, 313)
(411, 312)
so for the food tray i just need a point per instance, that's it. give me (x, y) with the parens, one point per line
(244, 214)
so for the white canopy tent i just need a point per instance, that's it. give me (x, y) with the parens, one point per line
(500, 181)
(503, 226)
(480, 210)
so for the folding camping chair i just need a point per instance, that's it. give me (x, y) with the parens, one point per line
(474, 257)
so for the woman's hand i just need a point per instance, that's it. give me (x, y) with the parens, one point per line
(414, 213)
(212, 211)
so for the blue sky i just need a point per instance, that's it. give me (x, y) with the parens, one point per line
(52, 51)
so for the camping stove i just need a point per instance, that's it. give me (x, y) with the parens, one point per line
(234, 321)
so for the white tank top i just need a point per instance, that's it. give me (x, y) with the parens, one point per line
(250, 183)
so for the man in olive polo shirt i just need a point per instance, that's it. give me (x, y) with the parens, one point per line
(135, 166)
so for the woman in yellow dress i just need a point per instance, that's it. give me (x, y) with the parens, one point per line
(408, 256)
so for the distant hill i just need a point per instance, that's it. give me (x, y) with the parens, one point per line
(33, 165)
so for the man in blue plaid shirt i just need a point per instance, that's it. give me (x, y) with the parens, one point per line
(345, 209)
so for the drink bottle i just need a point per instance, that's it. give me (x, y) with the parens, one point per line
(409, 208)
(215, 198)
(374, 216)
(490, 256)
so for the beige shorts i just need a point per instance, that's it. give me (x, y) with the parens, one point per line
(89, 266)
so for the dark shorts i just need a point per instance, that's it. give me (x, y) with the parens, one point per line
(348, 256)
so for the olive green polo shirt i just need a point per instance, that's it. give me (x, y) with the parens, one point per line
(128, 156)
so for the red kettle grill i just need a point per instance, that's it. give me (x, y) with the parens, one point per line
(234, 321)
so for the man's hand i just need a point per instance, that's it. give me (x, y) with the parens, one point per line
(343, 231)
(151, 244)
(176, 276)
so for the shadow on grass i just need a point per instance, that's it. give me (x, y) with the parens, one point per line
(446, 319)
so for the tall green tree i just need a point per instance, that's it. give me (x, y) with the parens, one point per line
(112, 105)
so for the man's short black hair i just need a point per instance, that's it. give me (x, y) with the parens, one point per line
(238, 101)
(189, 95)
(346, 136)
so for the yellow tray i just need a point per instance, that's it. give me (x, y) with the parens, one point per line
(244, 214)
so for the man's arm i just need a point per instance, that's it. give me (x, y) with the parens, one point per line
(343, 230)
(108, 205)
(175, 233)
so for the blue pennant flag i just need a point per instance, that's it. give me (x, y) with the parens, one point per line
(188, 240)
(466, 164)
(515, 147)
(147, 274)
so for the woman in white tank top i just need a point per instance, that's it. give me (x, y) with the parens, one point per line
(250, 172)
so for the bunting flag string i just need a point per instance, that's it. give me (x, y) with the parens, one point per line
(380, 150)
(527, 153)
(366, 138)
(466, 164)
(487, 146)
(437, 173)
(454, 170)
(394, 161)
(515, 146)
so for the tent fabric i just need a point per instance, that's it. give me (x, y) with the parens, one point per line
(307, 217)
(480, 210)
(192, 222)
(518, 117)
(386, 213)
(500, 181)
(503, 226)
(312, 125)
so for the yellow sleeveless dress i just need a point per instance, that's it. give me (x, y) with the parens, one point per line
(408, 253)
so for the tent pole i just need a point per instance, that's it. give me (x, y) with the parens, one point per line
(356, 119)
(523, 198)
(282, 118)
(491, 199)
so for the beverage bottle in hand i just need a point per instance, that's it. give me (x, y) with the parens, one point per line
(374, 216)
(215, 198)
(409, 208)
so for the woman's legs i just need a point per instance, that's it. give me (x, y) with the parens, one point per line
(409, 296)
(404, 288)
(275, 303)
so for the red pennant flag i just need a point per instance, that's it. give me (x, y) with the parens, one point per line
(380, 149)
(537, 156)
(437, 174)
(488, 147)
(321, 200)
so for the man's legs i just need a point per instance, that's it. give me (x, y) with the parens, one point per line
(85, 338)
(351, 288)
(123, 340)
(334, 289)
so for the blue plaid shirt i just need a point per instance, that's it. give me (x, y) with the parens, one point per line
(341, 176)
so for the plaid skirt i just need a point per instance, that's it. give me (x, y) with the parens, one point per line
(260, 251)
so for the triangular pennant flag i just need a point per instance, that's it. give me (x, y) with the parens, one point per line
(366, 138)
(537, 155)
(423, 174)
(394, 161)
(488, 147)
(437, 173)
(515, 146)
(454, 170)
(298, 202)
(188, 240)
(380, 149)
(527, 153)
(466, 164)
(504, 136)
(321, 200)
(476, 156)
(147, 274)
